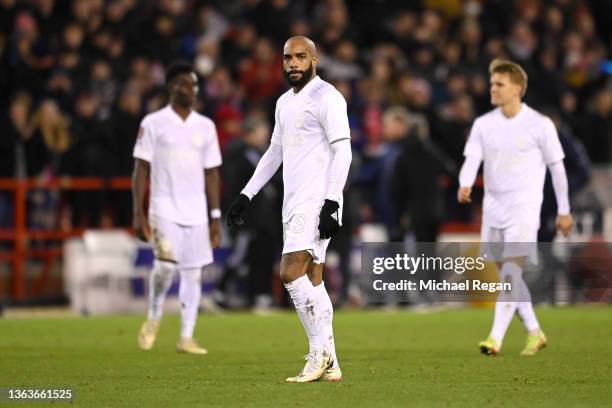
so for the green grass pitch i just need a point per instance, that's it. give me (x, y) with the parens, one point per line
(388, 359)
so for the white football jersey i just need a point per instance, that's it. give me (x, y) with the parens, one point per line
(306, 124)
(515, 152)
(178, 151)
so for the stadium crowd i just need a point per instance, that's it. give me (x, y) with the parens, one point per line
(76, 78)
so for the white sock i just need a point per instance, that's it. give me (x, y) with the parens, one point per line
(506, 304)
(159, 283)
(525, 308)
(190, 291)
(327, 318)
(306, 304)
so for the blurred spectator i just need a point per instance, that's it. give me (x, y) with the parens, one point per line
(207, 56)
(44, 163)
(237, 45)
(228, 119)
(547, 81)
(126, 121)
(273, 17)
(51, 127)
(257, 244)
(342, 65)
(414, 182)
(522, 42)
(261, 73)
(29, 55)
(578, 169)
(377, 175)
(471, 38)
(103, 87)
(16, 133)
(90, 156)
(452, 131)
(332, 24)
(595, 127)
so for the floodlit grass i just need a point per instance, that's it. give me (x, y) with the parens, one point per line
(388, 359)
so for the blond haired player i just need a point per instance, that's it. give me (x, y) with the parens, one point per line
(311, 138)
(516, 144)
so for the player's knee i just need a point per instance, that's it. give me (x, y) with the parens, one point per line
(164, 268)
(191, 275)
(518, 261)
(511, 272)
(287, 275)
(294, 266)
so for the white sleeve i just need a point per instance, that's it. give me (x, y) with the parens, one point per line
(276, 133)
(212, 152)
(469, 170)
(333, 117)
(145, 141)
(550, 145)
(340, 165)
(267, 166)
(474, 147)
(559, 181)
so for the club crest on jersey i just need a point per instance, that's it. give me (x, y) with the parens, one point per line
(197, 139)
(521, 142)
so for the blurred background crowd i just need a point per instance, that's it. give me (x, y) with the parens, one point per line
(76, 78)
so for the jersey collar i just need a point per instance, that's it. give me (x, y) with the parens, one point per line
(306, 87)
(176, 118)
(520, 113)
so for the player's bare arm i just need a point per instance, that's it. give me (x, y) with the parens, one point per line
(212, 196)
(140, 177)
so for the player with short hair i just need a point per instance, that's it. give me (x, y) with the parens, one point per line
(177, 150)
(517, 144)
(311, 138)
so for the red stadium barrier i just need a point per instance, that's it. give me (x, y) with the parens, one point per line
(20, 235)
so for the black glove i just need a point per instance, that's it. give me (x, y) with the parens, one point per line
(329, 224)
(236, 211)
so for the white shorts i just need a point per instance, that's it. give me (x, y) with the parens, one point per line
(514, 241)
(301, 233)
(186, 245)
